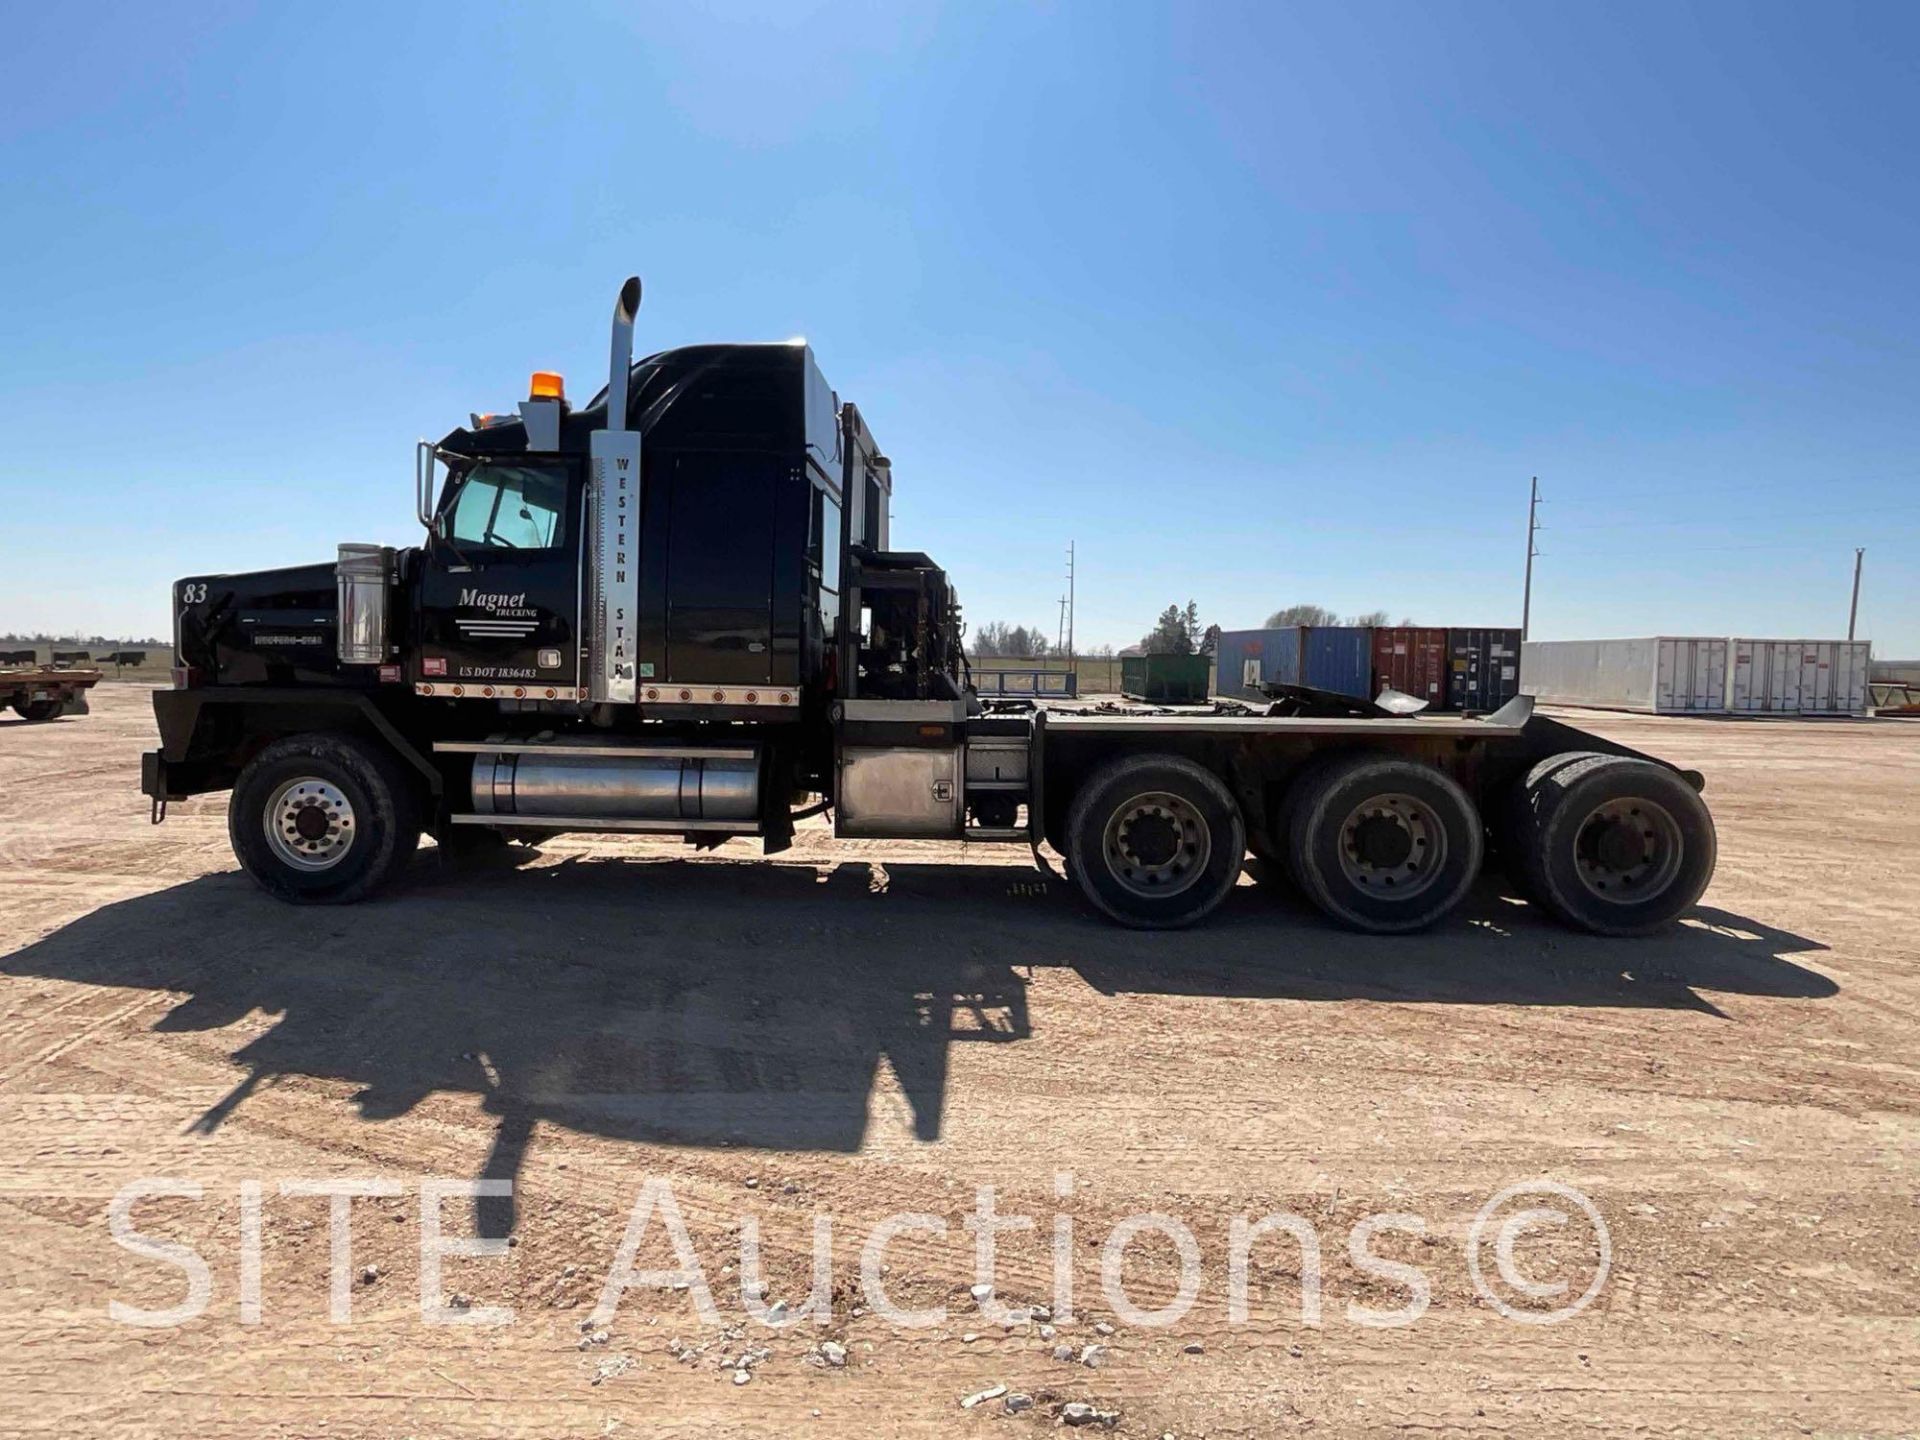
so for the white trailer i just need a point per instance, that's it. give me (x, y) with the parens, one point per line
(1656, 674)
(1799, 677)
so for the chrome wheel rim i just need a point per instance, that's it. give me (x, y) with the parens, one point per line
(309, 823)
(1157, 845)
(1627, 850)
(1393, 846)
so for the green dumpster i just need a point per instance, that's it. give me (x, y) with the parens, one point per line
(1166, 678)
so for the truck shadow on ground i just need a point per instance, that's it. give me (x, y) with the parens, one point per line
(723, 1003)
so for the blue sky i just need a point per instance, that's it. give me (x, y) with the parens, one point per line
(1255, 303)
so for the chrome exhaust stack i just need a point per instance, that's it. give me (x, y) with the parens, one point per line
(620, 365)
(612, 550)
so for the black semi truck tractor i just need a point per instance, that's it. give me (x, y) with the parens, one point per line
(677, 609)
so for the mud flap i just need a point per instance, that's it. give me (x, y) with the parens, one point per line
(153, 777)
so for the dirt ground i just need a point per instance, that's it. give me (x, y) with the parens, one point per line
(861, 1030)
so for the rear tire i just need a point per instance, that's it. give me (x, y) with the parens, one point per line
(1612, 845)
(323, 819)
(1383, 845)
(1155, 841)
(1510, 843)
(34, 711)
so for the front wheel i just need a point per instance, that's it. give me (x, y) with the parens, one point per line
(1155, 841)
(323, 819)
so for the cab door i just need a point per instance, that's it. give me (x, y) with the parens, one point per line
(500, 596)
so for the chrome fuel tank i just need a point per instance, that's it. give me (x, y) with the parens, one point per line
(639, 785)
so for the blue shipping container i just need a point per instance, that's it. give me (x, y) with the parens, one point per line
(1339, 658)
(1244, 660)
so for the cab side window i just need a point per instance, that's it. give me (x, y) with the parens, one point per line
(510, 507)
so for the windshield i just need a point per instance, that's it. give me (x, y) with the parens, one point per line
(509, 507)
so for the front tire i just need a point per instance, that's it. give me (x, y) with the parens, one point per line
(1611, 844)
(1381, 844)
(1155, 841)
(323, 819)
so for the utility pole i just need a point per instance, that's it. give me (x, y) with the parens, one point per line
(1533, 525)
(1073, 660)
(1853, 611)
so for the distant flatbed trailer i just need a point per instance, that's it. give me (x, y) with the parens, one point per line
(42, 693)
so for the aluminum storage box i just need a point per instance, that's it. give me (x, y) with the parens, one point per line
(1798, 677)
(1244, 660)
(1413, 660)
(1656, 674)
(900, 790)
(1338, 658)
(1483, 667)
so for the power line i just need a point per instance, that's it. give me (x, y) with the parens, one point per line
(1613, 495)
(1802, 546)
(1689, 524)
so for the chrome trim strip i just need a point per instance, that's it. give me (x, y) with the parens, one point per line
(602, 822)
(671, 692)
(1276, 725)
(480, 690)
(562, 747)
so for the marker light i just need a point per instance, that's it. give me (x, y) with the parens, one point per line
(546, 385)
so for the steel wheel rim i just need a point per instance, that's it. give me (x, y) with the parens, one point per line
(1393, 846)
(309, 823)
(1157, 845)
(1628, 850)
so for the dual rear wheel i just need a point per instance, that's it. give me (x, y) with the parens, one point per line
(1379, 843)
(1383, 844)
(1610, 844)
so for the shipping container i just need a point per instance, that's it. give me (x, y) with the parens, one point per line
(1165, 677)
(1244, 660)
(1657, 674)
(1413, 660)
(1338, 658)
(1483, 668)
(1798, 677)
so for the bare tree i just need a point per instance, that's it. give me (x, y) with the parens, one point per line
(1320, 615)
(1302, 615)
(1000, 641)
